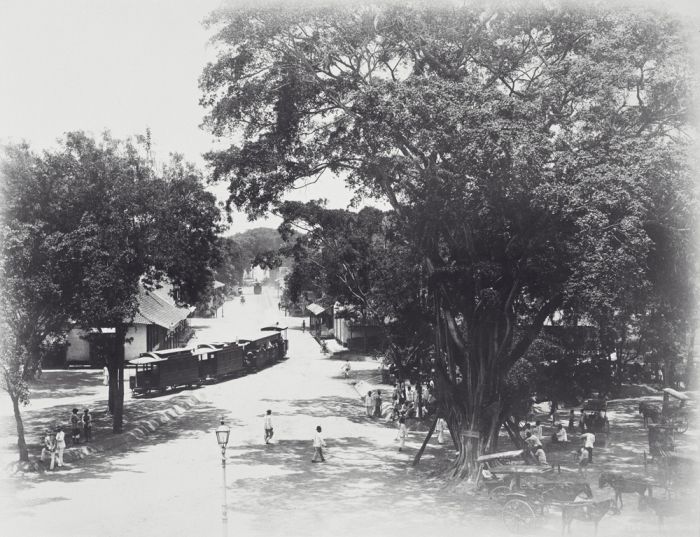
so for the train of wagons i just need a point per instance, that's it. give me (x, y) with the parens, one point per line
(159, 371)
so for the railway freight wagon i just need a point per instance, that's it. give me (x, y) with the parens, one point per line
(219, 360)
(279, 340)
(163, 370)
(259, 352)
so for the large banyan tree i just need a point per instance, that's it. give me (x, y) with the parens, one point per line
(525, 150)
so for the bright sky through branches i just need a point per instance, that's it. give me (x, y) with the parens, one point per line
(122, 66)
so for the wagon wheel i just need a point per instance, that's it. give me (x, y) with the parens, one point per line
(518, 516)
(498, 494)
(680, 424)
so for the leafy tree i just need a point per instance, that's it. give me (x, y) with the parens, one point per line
(110, 223)
(518, 147)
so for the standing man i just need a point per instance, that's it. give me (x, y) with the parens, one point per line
(268, 426)
(303, 325)
(87, 425)
(369, 404)
(588, 443)
(441, 425)
(319, 444)
(75, 427)
(378, 405)
(403, 433)
(60, 445)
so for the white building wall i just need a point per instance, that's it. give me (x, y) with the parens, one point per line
(137, 334)
(78, 349)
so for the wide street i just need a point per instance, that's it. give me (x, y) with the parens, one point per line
(171, 483)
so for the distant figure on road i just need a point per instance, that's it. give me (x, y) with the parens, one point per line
(303, 325)
(60, 445)
(369, 403)
(87, 425)
(105, 376)
(75, 427)
(378, 404)
(403, 432)
(268, 427)
(346, 369)
(319, 444)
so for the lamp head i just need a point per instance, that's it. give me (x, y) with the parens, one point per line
(222, 433)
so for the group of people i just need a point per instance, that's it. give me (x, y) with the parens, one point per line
(54, 443)
(373, 404)
(533, 441)
(318, 441)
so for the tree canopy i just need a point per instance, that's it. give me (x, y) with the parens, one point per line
(87, 223)
(524, 151)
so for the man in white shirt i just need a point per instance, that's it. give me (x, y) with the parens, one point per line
(588, 442)
(268, 427)
(560, 435)
(319, 444)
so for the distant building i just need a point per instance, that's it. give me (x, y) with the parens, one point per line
(159, 324)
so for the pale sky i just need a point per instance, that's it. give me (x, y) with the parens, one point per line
(118, 65)
(123, 66)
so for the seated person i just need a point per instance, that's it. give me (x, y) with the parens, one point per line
(532, 441)
(559, 435)
(540, 455)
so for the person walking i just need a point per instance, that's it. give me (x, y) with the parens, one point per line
(369, 404)
(87, 425)
(441, 425)
(303, 325)
(319, 444)
(403, 432)
(105, 376)
(60, 445)
(378, 404)
(75, 427)
(268, 426)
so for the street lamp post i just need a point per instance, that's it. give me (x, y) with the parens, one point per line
(222, 433)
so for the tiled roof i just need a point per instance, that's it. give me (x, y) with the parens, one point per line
(155, 309)
(316, 309)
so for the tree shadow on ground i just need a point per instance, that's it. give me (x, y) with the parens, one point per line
(37, 422)
(201, 418)
(66, 383)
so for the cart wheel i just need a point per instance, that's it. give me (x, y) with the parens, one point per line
(680, 425)
(518, 516)
(498, 494)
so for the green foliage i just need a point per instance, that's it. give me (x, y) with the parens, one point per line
(524, 151)
(84, 224)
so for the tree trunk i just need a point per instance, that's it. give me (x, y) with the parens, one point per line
(118, 357)
(21, 442)
(416, 459)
